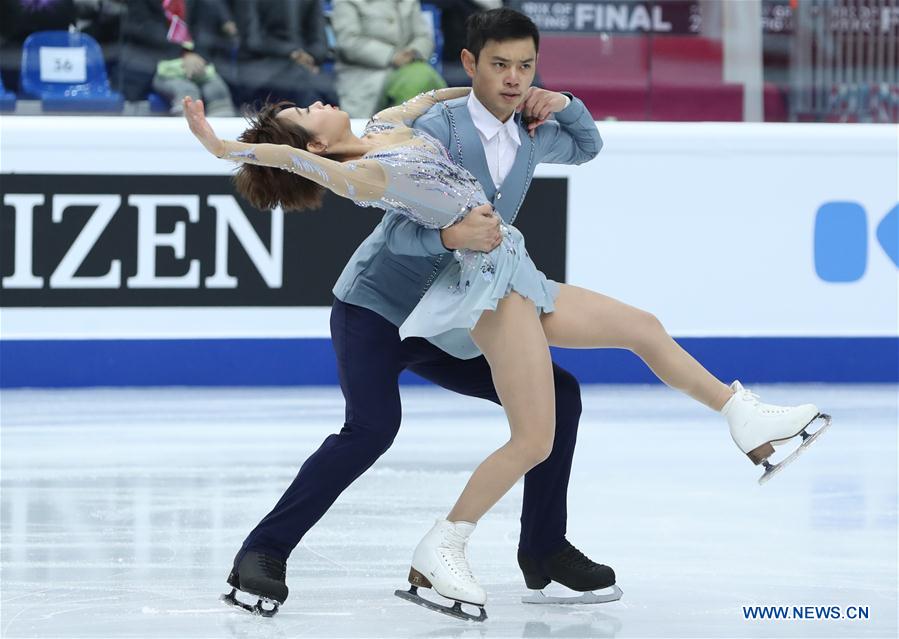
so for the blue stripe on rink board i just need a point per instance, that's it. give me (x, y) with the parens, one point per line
(289, 362)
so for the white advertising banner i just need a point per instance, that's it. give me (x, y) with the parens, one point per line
(718, 229)
(742, 229)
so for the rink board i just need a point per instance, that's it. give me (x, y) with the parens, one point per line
(769, 251)
(287, 362)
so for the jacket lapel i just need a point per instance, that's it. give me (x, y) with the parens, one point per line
(473, 157)
(516, 182)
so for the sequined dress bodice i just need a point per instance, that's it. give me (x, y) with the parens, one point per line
(411, 173)
(423, 183)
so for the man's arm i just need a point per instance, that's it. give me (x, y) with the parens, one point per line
(570, 137)
(145, 24)
(422, 37)
(478, 231)
(256, 39)
(315, 42)
(405, 237)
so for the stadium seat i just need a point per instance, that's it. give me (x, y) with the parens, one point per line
(610, 75)
(7, 99)
(68, 87)
(631, 77)
(158, 103)
(688, 81)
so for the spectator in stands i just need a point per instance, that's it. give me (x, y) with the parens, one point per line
(283, 48)
(169, 44)
(381, 48)
(19, 19)
(102, 20)
(453, 14)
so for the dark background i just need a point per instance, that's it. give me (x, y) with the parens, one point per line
(317, 244)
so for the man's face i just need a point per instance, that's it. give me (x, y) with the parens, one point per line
(502, 74)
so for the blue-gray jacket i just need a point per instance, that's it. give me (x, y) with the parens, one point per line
(395, 265)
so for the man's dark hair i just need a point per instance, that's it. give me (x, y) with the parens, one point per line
(499, 25)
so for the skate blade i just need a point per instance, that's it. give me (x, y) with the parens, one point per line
(614, 594)
(454, 611)
(773, 469)
(231, 600)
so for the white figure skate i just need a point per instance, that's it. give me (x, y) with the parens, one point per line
(756, 427)
(441, 562)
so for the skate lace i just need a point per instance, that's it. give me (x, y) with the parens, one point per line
(455, 551)
(574, 558)
(749, 396)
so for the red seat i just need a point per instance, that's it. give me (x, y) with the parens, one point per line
(635, 77)
(610, 75)
(686, 61)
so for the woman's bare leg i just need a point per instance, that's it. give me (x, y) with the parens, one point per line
(514, 344)
(586, 319)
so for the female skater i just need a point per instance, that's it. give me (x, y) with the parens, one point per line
(494, 303)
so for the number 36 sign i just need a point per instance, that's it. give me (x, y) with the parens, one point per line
(63, 64)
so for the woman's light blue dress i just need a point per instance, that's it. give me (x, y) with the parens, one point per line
(416, 178)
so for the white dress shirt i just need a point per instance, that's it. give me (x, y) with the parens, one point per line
(500, 139)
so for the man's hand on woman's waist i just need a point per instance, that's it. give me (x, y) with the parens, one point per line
(477, 231)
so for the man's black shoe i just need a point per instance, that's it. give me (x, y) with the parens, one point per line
(567, 566)
(262, 575)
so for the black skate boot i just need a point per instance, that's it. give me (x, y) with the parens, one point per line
(571, 568)
(261, 575)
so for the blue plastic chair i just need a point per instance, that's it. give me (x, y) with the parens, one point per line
(158, 103)
(7, 99)
(93, 94)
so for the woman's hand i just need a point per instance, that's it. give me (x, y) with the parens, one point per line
(199, 126)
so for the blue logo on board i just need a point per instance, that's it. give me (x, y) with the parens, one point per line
(841, 240)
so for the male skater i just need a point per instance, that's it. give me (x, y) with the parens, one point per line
(499, 133)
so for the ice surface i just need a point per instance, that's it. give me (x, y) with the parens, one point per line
(122, 509)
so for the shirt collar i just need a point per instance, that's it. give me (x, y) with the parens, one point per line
(486, 122)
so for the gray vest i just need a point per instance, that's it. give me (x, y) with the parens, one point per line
(395, 265)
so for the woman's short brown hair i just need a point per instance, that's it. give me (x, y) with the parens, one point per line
(266, 187)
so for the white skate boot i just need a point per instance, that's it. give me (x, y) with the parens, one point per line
(756, 427)
(440, 562)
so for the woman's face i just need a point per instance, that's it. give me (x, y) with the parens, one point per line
(327, 123)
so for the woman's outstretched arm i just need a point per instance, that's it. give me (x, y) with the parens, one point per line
(359, 180)
(407, 112)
